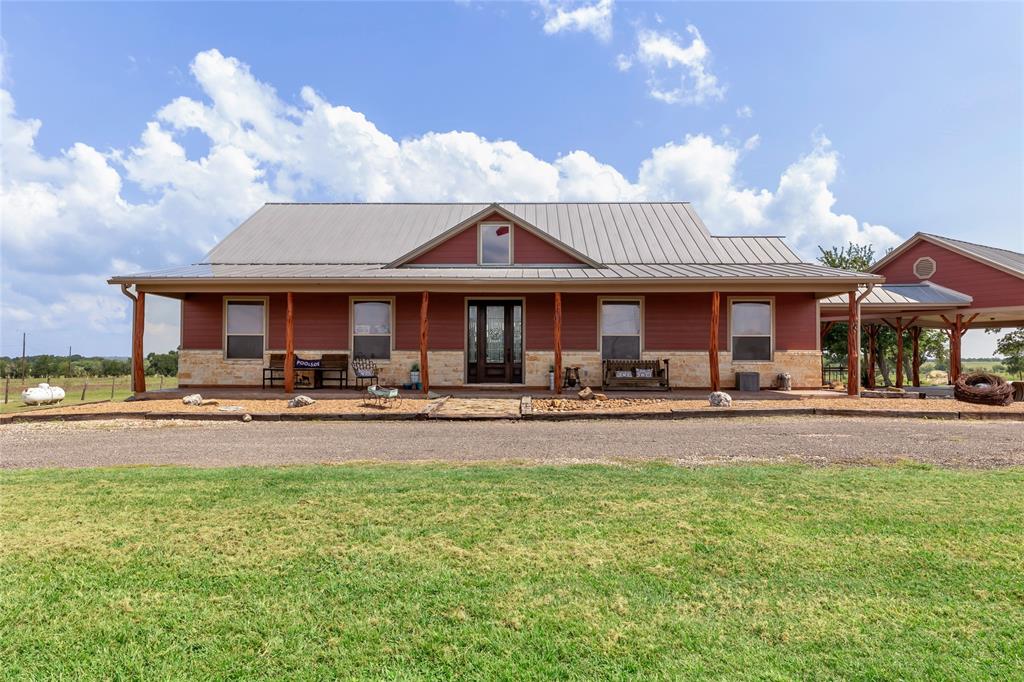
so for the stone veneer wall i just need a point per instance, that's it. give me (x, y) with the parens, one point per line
(687, 369)
(210, 368)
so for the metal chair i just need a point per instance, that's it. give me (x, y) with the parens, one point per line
(364, 369)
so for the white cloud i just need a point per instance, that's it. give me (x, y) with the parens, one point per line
(623, 63)
(560, 16)
(678, 73)
(67, 224)
(744, 112)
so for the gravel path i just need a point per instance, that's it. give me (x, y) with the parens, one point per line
(813, 440)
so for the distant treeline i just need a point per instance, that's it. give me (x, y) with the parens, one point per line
(164, 364)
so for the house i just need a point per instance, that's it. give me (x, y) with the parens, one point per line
(497, 294)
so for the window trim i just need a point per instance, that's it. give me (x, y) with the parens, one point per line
(352, 300)
(265, 300)
(601, 300)
(770, 300)
(480, 244)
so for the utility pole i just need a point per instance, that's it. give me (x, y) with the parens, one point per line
(69, 361)
(24, 360)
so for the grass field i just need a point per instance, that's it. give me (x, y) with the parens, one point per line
(511, 572)
(96, 388)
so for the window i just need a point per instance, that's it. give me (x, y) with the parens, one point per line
(620, 330)
(495, 244)
(751, 324)
(371, 330)
(244, 329)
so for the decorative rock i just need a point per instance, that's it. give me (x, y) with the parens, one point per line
(720, 399)
(600, 397)
(194, 399)
(247, 418)
(300, 401)
(586, 394)
(207, 401)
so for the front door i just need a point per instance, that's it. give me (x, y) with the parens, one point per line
(494, 347)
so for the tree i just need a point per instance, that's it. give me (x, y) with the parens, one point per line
(860, 258)
(164, 364)
(1011, 347)
(856, 257)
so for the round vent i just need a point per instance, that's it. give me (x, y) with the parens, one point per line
(924, 267)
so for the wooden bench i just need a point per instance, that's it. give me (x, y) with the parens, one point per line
(658, 369)
(333, 370)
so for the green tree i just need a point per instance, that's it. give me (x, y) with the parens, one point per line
(1011, 348)
(860, 258)
(164, 364)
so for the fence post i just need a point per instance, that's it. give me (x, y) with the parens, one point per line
(7, 386)
(84, 386)
(161, 381)
(114, 379)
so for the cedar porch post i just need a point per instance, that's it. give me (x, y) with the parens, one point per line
(289, 346)
(915, 362)
(558, 342)
(424, 338)
(899, 352)
(138, 330)
(716, 381)
(853, 348)
(872, 330)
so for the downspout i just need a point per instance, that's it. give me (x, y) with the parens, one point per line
(134, 299)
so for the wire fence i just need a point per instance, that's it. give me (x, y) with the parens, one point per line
(81, 389)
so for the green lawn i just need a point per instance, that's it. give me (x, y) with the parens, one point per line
(508, 572)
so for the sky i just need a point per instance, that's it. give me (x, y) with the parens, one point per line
(137, 135)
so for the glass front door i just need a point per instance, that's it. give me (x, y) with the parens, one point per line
(495, 342)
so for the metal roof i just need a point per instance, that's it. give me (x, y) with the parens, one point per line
(370, 272)
(608, 233)
(1010, 260)
(906, 295)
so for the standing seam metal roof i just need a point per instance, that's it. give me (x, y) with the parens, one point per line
(609, 233)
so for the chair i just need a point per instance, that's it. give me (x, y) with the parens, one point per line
(364, 369)
(275, 370)
(382, 396)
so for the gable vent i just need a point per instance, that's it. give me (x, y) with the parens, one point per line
(924, 267)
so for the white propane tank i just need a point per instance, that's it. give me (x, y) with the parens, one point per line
(43, 394)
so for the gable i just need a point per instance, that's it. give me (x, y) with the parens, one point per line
(990, 287)
(527, 248)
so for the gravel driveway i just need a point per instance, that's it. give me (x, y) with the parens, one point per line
(813, 440)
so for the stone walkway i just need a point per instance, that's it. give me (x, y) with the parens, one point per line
(475, 408)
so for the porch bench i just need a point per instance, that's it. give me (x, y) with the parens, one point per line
(612, 369)
(333, 369)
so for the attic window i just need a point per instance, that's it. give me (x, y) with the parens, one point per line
(495, 244)
(924, 267)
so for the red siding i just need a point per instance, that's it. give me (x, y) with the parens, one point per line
(446, 321)
(677, 321)
(579, 322)
(529, 248)
(540, 321)
(796, 322)
(201, 322)
(989, 286)
(321, 321)
(459, 248)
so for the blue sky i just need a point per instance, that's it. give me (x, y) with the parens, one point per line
(130, 141)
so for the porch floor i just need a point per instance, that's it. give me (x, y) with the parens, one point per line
(256, 393)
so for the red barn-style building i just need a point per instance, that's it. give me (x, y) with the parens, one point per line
(500, 293)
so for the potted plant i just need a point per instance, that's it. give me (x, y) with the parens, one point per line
(551, 377)
(414, 374)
